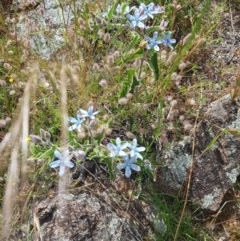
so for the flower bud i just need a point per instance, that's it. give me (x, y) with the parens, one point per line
(182, 66)
(129, 96)
(181, 118)
(110, 59)
(80, 21)
(108, 131)
(130, 135)
(2, 82)
(173, 103)
(12, 92)
(116, 54)
(200, 41)
(95, 66)
(123, 101)
(7, 66)
(171, 57)
(2, 123)
(187, 126)
(100, 33)
(178, 78)
(163, 138)
(185, 39)
(103, 83)
(80, 154)
(191, 101)
(81, 135)
(174, 76)
(178, 6)
(36, 139)
(106, 37)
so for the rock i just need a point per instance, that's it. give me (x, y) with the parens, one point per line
(216, 160)
(42, 24)
(82, 216)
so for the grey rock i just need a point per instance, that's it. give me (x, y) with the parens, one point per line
(82, 216)
(215, 163)
(43, 24)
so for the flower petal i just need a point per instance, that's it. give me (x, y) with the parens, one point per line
(122, 153)
(55, 164)
(132, 153)
(110, 146)
(118, 141)
(155, 35)
(141, 148)
(156, 48)
(73, 127)
(61, 170)
(125, 145)
(72, 120)
(128, 171)
(138, 155)
(141, 25)
(135, 167)
(134, 143)
(121, 166)
(58, 155)
(82, 112)
(69, 164)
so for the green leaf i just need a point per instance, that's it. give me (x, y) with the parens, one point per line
(130, 57)
(135, 83)
(153, 63)
(111, 12)
(133, 43)
(129, 84)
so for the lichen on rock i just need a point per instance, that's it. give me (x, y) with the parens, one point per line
(216, 163)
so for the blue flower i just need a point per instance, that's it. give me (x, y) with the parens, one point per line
(62, 161)
(150, 9)
(153, 42)
(129, 164)
(77, 122)
(117, 150)
(134, 150)
(136, 19)
(167, 41)
(89, 113)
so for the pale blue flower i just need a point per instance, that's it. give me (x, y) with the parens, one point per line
(118, 149)
(153, 42)
(129, 164)
(77, 122)
(62, 160)
(134, 150)
(150, 9)
(89, 113)
(167, 41)
(136, 19)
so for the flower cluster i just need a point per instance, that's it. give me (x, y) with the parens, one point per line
(63, 160)
(138, 19)
(152, 43)
(138, 16)
(81, 117)
(129, 152)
